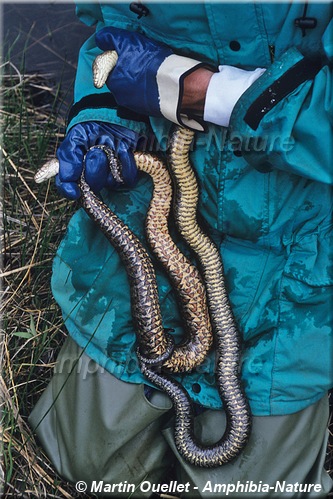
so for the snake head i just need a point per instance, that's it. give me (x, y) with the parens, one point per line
(102, 67)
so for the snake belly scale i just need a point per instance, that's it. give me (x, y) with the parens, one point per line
(155, 345)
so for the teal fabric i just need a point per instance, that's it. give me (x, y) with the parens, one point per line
(268, 209)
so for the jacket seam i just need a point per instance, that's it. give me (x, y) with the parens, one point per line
(276, 337)
(263, 32)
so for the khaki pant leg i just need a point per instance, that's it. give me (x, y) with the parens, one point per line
(288, 448)
(96, 427)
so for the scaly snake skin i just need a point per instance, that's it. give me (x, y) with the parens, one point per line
(155, 345)
(185, 277)
(227, 338)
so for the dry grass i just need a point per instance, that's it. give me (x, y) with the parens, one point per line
(34, 220)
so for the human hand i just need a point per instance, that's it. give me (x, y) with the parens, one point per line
(82, 147)
(148, 77)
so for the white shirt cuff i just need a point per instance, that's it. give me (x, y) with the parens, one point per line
(224, 90)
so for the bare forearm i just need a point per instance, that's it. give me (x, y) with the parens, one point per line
(195, 88)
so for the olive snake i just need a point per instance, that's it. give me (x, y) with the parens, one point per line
(155, 345)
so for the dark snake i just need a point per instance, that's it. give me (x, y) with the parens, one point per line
(155, 345)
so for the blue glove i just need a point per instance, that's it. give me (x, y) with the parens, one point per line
(75, 148)
(148, 76)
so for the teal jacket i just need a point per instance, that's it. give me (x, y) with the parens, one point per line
(266, 200)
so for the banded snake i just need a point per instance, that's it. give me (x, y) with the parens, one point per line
(204, 302)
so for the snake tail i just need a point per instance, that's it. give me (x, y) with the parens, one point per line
(210, 456)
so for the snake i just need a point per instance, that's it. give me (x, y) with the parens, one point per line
(156, 347)
(226, 333)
